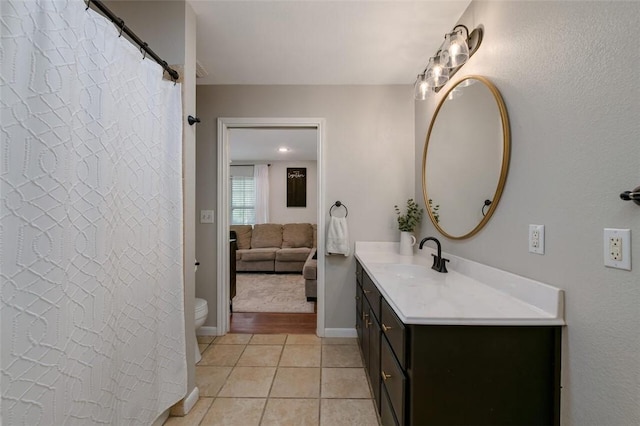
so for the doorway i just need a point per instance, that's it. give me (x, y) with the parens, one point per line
(233, 129)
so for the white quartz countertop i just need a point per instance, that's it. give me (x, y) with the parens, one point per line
(469, 294)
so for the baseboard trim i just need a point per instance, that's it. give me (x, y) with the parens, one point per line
(161, 418)
(191, 400)
(340, 332)
(182, 407)
(207, 331)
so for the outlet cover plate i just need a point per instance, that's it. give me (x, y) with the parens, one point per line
(536, 239)
(617, 248)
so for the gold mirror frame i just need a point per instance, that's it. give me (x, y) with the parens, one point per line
(506, 151)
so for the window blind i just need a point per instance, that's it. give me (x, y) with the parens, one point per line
(243, 200)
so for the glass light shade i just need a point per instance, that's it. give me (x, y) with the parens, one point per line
(421, 89)
(437, 74)
(455, 50)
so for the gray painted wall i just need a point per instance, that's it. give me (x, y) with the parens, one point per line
(368, 165)
(568, 72)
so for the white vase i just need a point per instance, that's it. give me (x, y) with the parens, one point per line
(407, 241)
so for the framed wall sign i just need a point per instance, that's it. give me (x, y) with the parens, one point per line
(296, 187)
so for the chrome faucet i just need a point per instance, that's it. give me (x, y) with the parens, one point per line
(439, 263)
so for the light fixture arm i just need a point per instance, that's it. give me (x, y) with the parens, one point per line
(465, 29)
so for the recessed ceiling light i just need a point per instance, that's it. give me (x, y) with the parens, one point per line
(283, 149)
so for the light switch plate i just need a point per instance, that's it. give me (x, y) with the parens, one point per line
(617, 248)
(536, 239)
(206, 216)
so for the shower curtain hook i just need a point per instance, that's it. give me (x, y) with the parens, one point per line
(88, 4)
(144, 50)
(121, 26)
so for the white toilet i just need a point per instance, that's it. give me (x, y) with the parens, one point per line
(201, 316)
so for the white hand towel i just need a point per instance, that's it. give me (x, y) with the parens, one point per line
(338, 236)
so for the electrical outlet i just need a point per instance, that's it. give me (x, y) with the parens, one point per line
(536, 239)
(617, 248)
(206, 216)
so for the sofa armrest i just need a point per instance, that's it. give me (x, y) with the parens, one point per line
(310, 268)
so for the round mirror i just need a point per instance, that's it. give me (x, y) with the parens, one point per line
(466, 157)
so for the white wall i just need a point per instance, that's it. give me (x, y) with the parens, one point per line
(568, 72)
(368, 158)
(278, 210)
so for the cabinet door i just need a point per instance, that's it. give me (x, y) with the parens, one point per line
(374, 357)
(359, 318)
(366, 339)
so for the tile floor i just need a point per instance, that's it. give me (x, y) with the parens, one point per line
(268, 379)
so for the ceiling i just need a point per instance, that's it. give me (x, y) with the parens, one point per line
(318, 41)
(262, 144)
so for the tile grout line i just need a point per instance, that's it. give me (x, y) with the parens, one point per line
(273, 380)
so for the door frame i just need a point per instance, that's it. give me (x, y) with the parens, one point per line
(224, 125)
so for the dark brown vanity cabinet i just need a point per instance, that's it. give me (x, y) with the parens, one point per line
(457, 374)
(368, 328)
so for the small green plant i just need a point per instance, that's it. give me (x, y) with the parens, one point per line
(409, 221)
(434, 210)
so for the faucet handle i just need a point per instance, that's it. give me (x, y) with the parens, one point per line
(436, 262)
(443, 265)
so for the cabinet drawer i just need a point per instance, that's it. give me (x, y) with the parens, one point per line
(393, 380)
(387, 418)
(395, 331)
(372, 294)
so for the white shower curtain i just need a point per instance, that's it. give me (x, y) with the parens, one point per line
(261, 176)
(92, 298)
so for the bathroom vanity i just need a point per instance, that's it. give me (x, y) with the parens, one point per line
(476, 346)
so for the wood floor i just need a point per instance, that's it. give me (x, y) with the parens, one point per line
(272, 323)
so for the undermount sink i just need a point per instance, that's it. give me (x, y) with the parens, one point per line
(404, 271)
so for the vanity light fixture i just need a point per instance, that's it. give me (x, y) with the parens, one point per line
(458, 46)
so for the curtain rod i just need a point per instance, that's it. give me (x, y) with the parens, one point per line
(124, 29)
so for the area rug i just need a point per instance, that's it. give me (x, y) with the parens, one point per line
(271, 293)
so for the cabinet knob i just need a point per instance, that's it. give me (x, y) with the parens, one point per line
(364, 316)
(386, 328)
(385, 376)
(368, 323)
(366, 291)
(357, 297)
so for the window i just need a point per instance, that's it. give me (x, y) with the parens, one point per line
(243, 199)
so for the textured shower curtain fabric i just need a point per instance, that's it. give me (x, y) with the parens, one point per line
(92, 298)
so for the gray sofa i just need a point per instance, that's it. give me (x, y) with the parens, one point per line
(310, 274)
(272, 247)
